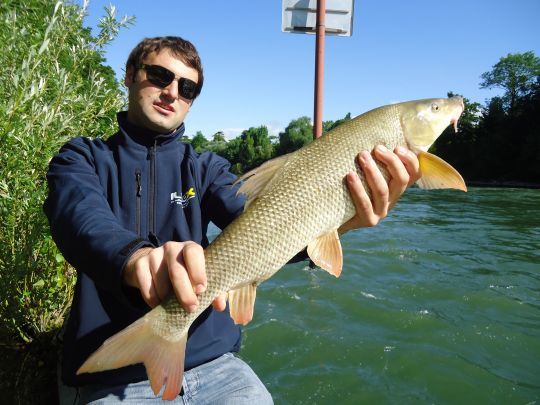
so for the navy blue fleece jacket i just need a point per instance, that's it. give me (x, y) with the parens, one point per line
(109, 198)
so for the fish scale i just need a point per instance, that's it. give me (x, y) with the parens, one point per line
(293, 201)
(321, 203)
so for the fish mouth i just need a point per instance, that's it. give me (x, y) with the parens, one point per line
(457, 113)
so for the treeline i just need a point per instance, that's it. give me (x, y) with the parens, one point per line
(255, 145)
(497, 143)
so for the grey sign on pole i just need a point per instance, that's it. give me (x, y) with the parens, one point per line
(300, 16)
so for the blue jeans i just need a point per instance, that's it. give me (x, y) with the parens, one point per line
(225, 380)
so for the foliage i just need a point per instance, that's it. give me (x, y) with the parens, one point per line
(199, 142)
(516, 74)
(457, 148)
(497, 144)
(219, 137)
(255, 145)
(330, 125)
(255, 148)
(298, 133)
(54, 87)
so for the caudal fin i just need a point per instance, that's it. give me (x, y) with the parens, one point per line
(163, 359)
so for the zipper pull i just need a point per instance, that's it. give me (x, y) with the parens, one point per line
(139, 183)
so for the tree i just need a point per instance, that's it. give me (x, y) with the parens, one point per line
(232, 154)
(54, 86)
(219, 137)
(255, 147)
(298, 133)
(199, 142)
(330, 125)
(516, 74)
(458, 149)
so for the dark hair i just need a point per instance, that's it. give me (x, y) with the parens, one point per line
(184, 50)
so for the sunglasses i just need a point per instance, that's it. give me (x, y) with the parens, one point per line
(162, 77)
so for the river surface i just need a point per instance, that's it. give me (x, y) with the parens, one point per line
(438, 304)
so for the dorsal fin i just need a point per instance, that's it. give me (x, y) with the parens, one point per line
(436, 173)
(256, 180)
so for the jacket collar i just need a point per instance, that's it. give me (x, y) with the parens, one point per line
(144, 136)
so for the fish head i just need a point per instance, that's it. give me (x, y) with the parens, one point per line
(423, 121)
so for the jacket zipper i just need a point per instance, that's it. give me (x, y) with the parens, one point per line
(152, 190)
(138, 202)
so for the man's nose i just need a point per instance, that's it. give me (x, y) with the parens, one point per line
(172, 90)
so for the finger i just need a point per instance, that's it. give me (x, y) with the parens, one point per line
(145, 283)
(412, 165)
(364, 208)
(158, 268)
(220, 302)
(128, 273)
(376, 182)
(399, 177)
(193, 254)
(181, 284)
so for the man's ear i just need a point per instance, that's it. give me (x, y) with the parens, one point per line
(129, 79)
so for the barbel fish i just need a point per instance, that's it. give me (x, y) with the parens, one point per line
(288, 208)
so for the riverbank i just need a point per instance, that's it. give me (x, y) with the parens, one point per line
(28, 371)
(502, 184)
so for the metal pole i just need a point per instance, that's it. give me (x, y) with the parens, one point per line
(319, 68)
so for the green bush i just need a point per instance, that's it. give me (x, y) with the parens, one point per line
(54, 86)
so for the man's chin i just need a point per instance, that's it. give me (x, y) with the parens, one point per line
(163, 126)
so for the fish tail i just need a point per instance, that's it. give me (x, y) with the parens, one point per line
(163, 359)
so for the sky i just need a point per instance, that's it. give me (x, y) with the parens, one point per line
(400, 50)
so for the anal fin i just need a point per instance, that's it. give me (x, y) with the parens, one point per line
(436, 173)
(325, 252)
(242, 303)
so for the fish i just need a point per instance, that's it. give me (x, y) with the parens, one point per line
(294, 201)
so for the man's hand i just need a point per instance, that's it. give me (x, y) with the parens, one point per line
(175, 266)
(180, 267)
(404, 170)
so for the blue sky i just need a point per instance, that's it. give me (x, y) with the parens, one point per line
(400, 50)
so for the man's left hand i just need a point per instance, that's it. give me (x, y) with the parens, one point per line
(404, 170)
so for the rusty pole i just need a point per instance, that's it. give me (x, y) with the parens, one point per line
(319, 68)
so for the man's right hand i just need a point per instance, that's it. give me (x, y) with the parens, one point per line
(175, 266)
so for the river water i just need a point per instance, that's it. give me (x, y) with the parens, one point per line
(440, 303)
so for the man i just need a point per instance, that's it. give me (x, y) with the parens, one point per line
(131, 215)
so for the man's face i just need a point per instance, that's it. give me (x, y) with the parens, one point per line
(153, 107)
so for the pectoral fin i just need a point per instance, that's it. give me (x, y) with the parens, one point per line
(325, 251)
(436, 173)
(242, 303)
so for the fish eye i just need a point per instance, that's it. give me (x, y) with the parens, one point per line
(434, 107)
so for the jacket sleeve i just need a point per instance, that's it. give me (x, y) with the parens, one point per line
(220, 201)
(81, 220)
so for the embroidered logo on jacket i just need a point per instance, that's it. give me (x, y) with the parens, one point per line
(182, 200)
